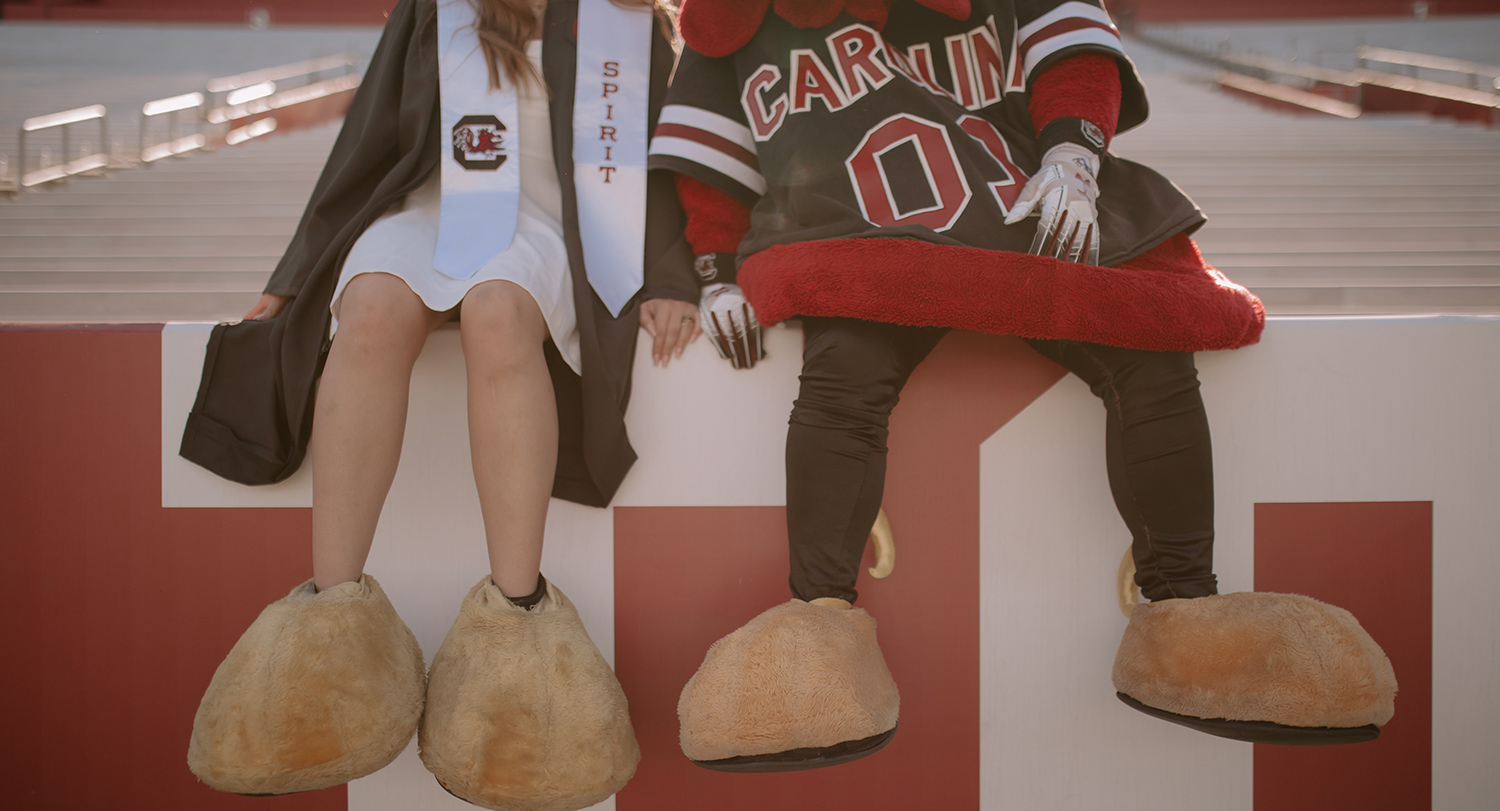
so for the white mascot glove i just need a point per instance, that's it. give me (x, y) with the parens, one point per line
(1066, 186)
(730, 321)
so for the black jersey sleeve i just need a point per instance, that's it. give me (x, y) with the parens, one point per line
(1048, 30)
(702, 131)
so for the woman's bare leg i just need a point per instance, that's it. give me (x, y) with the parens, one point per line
(512, 427)
(360, 418)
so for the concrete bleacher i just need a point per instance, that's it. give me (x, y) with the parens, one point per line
(1316, 214)
(1383, 214)
(1332, 43)
(49, 67)
(184, 239)
(1320, 214)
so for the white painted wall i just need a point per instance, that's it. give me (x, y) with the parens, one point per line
(429, 548)
(1323, 409)
(1366, 409)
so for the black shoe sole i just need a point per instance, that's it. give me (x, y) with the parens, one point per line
(1262, 731)
(796, 760)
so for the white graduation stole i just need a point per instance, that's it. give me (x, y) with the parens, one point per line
(481, 166)
(610, 109)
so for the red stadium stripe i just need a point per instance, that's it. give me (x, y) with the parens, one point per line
(117, 610)
(1374, 559)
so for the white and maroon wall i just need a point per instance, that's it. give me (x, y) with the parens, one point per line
(1357, 460)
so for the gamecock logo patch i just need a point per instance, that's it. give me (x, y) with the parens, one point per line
(479, 142)
(1094, 135)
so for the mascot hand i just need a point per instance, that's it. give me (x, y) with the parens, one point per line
(1066, 187)
(730, 320)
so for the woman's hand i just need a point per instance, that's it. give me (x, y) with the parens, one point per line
(269, 306)
(672, 325)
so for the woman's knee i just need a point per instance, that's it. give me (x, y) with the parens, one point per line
(380, 315)
(500, 321)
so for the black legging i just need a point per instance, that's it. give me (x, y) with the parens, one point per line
(1157, 451)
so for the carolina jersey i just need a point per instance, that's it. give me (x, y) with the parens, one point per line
(919, 130)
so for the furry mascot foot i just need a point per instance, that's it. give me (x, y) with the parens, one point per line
(1266, 668)
(523, 713)
(801, 686)
(323, 688)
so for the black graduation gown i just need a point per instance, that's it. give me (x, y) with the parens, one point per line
(254, 411)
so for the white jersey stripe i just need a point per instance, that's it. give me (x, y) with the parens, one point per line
(709, 158)
(1063, 12)
(1083, 36)
(719, 125)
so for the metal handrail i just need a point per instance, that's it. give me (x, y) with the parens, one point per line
(1356, 80)
(253, 93)
(173, 145)
(275, 74)
(1362, 76)
(1440, 90)
(1333, 76)
(246, 94)
(66, 169)
(255, 129)
(1287, 95)
(1474, 70)
(1262, 67)
(284, 98)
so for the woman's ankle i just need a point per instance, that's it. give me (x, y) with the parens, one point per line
(528, 601)
(331, 581)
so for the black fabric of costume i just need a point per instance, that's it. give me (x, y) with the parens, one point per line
(946, 171)
(1157, 450)
(254, 412)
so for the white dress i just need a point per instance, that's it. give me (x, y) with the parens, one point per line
(402, 240)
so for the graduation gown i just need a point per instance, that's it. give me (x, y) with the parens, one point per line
(254, 412)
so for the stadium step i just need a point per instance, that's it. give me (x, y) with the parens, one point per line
(185, 265)
(1317, 215)
(1376, 214)
(225, 224)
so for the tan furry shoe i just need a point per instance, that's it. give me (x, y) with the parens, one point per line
(801, 686)
(523, 713)
(1262, 667)
(323, 688)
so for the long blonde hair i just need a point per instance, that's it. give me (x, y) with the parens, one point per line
(505, 26)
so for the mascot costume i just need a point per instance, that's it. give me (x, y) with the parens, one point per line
(874, 167)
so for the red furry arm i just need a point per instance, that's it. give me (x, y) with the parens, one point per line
(1085, 86)
(716, 222)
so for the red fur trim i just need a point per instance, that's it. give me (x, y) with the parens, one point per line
(873, 12)
(1085, 86)
(1167, 299)
(808, 13)
(957, 9)
(716, 222)
(721, 27)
